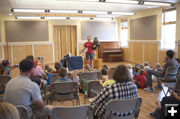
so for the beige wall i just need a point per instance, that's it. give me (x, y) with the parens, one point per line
(178, 22)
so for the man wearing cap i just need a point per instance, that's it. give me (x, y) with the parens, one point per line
(22, 91)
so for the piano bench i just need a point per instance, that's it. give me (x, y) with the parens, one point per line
(115, 57)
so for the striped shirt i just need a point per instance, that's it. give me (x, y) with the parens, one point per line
(125, 90)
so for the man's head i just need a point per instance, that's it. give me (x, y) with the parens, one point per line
(63, 72)
(26, 66)
(89, 38)
(57, 66)
(170, 54)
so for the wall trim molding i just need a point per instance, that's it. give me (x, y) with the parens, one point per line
(29, 43)
(144, 41)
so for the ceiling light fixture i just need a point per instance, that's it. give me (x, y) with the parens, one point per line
(94, 12)
(123, 1)
(100, 18)
(55, 17)
(27, 17)
(123, 13)
(28, 10)
(10, 14)
(158, 4)
(80, 18)
(63, 11)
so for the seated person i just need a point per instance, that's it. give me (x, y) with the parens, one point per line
(169, 61)
(57, 66)
(122, 83)
(110, 77)
(159, 113)
(136, 69)
(22, 91)
(104, 75)
(141, 79)
(75, 77)
(8, 111)
(129, 66)
(105, 66)
(63, 74)
(6, 67)
(87, 68)
(146, 65)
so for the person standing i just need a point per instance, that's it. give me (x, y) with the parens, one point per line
(90, 52)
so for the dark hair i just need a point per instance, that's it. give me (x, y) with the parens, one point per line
(104, 71)
(170, 53)
(57, 66)
(141, 66)
(26, 65)
(141, 71)
(5, 63)
(30, 57)
(47, 67)
(122, 74)
(146, 64)
(136, 68)
(105, 66)
(63, 72)
(2, 69)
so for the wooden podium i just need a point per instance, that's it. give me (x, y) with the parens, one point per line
(98, 63)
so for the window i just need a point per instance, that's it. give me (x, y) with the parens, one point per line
(168, 30)
(124, 34)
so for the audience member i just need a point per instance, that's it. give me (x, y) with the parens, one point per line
(110, 80)
(63, 74)
(141, 79)
(123, 88)
(2, 69)
(170, 61)
(105, 66)
(104, 75)
(141, 66)
(8, 111)
(22, 91)
(57, 66)
(136, 69)
(129, 66)
(75, 77)
(87, 68)
(6, 67)
(160, 111)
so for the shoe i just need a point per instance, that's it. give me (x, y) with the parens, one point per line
(149, 90)
(158, 87)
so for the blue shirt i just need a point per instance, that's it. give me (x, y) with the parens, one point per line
(8, 69)
(63, 80)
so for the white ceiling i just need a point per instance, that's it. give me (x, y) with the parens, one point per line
(6, 5)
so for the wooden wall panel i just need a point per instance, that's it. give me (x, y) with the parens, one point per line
(179, 51)
(20, 52)
(7, 52)
(151, 53)
(45, 51)
(162, 55)
(1, 52)
(137, 53)
(127, 54)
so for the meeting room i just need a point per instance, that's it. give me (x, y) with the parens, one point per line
(89, 59)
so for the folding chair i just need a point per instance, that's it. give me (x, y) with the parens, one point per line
(66, 91)
(87, 76)
(93, 88)
(54, 77)
(75, 112)
(169, 78)
(23, 113)
(116, 107)
(3, 81)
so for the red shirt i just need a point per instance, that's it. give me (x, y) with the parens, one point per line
(89, 45)
(142, 80)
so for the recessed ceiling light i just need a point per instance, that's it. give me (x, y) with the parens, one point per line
(27, 17)
(63, 11)
(94, 12)
(28, 10)
(54, 17)
(10, 14)
(157, 4)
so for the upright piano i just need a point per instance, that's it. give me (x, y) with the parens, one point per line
(110, 51)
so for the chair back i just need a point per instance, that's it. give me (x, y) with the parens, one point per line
(36, 79)
(75, 112)
(54, 77)
(177, 85)
(117, 107)
(64, 91)
(3, 81)
(171, 73)
(23, 113)
(93, 88)
(89, 76)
